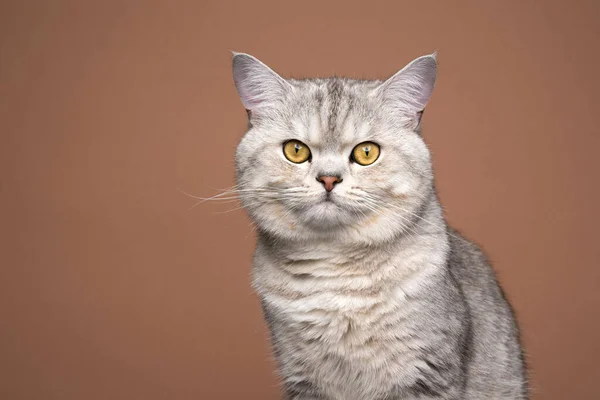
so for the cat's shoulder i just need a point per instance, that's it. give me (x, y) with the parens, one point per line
(468, 262)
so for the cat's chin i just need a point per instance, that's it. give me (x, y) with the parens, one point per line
(327, 215)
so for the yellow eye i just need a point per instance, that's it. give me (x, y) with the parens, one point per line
(365, 153)
(296, 151)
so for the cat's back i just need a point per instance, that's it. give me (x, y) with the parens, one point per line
(495, 356)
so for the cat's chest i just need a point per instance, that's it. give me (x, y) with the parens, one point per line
(347, 348)
(343, 319)
(355, 323)
(343, 302)
(348, 317)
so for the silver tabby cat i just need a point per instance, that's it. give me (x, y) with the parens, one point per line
(368, 294)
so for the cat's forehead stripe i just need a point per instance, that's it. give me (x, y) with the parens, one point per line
(333, 113)
(337, 110)
(334, 92)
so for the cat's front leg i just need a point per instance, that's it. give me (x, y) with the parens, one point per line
(302, 390)
(425, 391)
(300, 397)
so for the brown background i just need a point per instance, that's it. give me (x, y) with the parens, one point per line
(111, 289)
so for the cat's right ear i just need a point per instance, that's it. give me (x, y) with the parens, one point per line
(258, 85)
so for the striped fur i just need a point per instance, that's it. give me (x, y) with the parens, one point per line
(367, 292)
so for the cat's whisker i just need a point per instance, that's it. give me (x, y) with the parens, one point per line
(200, 202)
(402, 209)
(230, 210)
(234, 195)
(374, 204)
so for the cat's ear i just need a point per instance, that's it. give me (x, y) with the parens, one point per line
(258, 85)
(409, 90)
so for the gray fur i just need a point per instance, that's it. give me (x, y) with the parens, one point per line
(368, 294)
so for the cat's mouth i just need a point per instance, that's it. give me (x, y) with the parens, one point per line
(329, 198)
(327, 201)
(331, 205)
(330, 211)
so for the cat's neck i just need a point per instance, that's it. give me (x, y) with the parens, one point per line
(423, 246)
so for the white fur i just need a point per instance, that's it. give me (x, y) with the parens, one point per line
(356, 280)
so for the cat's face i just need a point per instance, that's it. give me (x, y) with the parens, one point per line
(333, 157)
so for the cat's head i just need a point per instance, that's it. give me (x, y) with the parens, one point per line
(333, 157)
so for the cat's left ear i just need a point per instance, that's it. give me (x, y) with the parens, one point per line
(409, 90)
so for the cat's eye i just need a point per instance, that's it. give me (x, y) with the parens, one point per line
(296, 151)
(365, 153)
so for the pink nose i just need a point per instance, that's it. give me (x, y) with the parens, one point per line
(329, 181)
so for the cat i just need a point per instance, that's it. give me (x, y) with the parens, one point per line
(367, 292)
